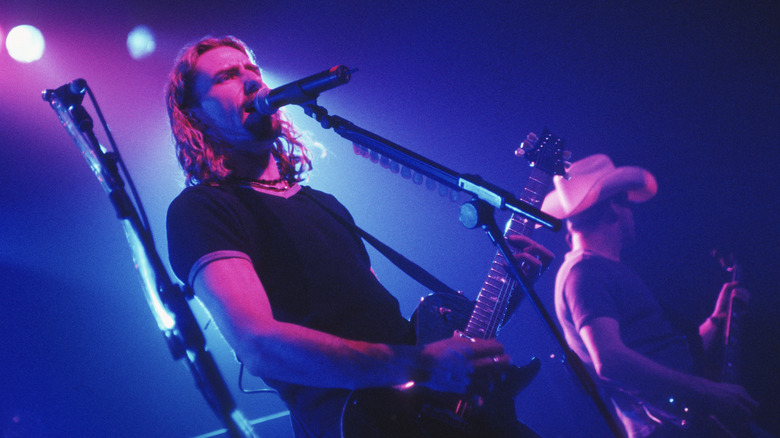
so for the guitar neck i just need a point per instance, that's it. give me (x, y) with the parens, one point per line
(730, 368)
(493, 299)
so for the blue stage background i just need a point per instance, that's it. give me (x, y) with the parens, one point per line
(688, 90)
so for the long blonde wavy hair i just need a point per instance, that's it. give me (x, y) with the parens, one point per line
(202, 156)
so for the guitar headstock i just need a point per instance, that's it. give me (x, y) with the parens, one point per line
(729, 263)
(545, 153)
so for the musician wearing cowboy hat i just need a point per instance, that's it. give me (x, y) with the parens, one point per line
(612, 320)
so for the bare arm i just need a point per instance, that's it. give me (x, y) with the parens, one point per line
(237, 301)
(616, 363)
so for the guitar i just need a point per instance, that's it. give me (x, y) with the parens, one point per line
(420, 412)
(729, 363)
(685, 416)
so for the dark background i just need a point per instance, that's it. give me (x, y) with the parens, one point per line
(687, 90)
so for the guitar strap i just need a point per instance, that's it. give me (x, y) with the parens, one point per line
(409, 267)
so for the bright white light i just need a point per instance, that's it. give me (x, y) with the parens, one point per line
(25, 43)
(140, 42)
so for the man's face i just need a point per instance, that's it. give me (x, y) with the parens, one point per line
(625, 222)
(225, 83)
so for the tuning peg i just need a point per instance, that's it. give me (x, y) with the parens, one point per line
(566, 156)
(524, 148)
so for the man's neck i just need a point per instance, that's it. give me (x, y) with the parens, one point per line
(250, 166)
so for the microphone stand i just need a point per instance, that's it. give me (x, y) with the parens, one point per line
(473, 184)
(167, 301)
(487, 198)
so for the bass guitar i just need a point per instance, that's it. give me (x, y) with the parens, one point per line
(418, 412)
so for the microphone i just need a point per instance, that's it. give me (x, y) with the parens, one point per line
(267, 101)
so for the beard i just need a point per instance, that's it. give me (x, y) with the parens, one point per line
(262, 127)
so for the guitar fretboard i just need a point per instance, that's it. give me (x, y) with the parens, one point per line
(493, 299)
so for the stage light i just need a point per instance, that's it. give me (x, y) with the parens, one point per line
(140, 42)
(25, 43)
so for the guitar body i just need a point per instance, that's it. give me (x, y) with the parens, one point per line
(424, 413)
(419, 412)
(439, 315)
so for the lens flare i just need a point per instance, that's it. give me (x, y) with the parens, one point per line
(140, 42)
(25, 43)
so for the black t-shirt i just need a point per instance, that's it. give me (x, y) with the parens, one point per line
(316, 272)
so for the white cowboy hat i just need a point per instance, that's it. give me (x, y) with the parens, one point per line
(594, 179)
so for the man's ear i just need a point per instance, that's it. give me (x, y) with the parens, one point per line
(198, 118)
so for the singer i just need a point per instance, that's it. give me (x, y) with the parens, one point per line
(289, 286)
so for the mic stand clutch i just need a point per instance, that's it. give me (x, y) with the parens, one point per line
(166, 300)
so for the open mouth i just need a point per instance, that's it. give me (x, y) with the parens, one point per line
(250, 108)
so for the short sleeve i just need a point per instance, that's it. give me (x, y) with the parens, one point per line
(588, 294)
(202, 221)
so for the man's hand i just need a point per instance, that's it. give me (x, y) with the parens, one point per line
(729, 291)
(532, 257)
(711, 330)
(729, 400)
(450, 364)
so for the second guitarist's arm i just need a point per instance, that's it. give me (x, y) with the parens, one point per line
(618, 364)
